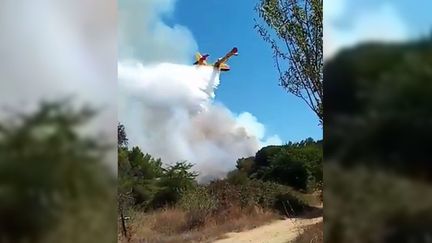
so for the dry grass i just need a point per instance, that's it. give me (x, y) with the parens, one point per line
(312, 234)
(174, 225)
(195, 225)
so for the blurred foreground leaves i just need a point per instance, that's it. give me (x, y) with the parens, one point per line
(378, 125)
(55, 185)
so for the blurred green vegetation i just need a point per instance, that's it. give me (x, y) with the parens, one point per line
(378, 123)
(378, 106)
(55, 183)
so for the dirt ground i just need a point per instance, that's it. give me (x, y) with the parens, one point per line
(281, 231)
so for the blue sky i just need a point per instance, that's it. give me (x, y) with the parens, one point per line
(348, 22)
(415, 14)
(252, 84)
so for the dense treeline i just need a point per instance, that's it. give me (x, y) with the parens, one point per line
(298, 165)
(272, 179)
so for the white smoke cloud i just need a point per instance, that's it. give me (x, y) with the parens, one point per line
(50, 49)
(253, 126)
(144, 36)
(169, 112)
(380, 24)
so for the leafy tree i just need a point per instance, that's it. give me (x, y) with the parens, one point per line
(246, 165)
(176, 179)
(299, 166)
(144, 166)
(264, 155)
(294, 30)
(295, 164)
(122, 139)
(138, 176)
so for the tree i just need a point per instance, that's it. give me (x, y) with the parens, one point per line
(298, 165)
(121, 136)
(246, 165)
(264, 155)
(176, 179)
(294, 31)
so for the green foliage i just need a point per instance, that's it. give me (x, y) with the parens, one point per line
(379, 94)
(289, 170)
(51, 177)
(176, 179)
(264, 155)
(295, 164)
(246, 165)
(378, 125)
(122, 140)
(267, 195)
(274, 195)
(144, 182)
(197, 198)
(299, 166)
(294, 30)
(237, 177)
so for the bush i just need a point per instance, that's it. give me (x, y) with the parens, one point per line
(267, 195)
(199, 205)
(237, 177)
(264, 155)
(289, 204)
(297, 166)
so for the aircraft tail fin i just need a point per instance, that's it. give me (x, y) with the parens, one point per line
(234, 51)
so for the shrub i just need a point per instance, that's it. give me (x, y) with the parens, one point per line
(237, 177)
(226, 194)
(199, 205)
(167, 221)
(299, 167)
(267, 195)
(289, 204)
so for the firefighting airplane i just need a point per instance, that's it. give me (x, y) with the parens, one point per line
(219, 64)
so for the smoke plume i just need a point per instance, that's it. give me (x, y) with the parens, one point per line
(168, 111)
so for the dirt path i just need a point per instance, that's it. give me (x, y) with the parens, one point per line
(281, 231)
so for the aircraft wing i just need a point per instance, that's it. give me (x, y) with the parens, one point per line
(226, 57)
